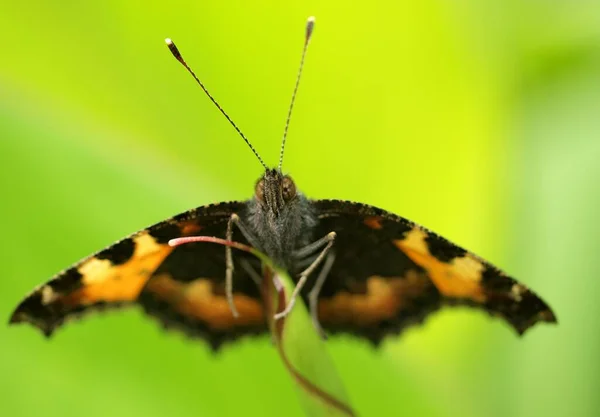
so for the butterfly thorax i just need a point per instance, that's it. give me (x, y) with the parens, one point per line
(280, 218)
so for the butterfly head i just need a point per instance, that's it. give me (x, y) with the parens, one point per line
(274, 191)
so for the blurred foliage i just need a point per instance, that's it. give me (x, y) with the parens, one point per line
(478, 119)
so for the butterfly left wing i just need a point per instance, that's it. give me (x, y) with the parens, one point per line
(182, 286)
(390, 273)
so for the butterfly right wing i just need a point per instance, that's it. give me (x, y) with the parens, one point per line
(183, 286)
(390, 273)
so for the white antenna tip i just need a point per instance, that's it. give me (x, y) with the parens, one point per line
(168, 41)
(310, 25)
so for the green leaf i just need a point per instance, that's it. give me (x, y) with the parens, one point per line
(298, 343)
(302, 350)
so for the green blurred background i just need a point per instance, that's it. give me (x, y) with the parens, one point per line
(478, 119)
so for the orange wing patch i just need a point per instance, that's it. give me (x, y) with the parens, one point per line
(111, 277)
(104, 282)
(189, 228)
(459, 278)
(373, 222)
(200, 301)
(385, 298)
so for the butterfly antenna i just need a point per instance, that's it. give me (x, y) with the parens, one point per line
(310, 24)
(179, 58)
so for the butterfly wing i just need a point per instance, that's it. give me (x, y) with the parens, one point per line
(390, 273)
(183, 286)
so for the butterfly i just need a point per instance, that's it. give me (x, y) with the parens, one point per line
(361, 270)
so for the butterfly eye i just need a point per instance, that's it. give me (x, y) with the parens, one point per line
(289, 189)
(259, 191)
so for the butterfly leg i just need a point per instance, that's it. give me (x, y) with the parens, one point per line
(251, 271)
(328, 239)
(229, 266)
(313, 295)
(234, 219)
(312, 247)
